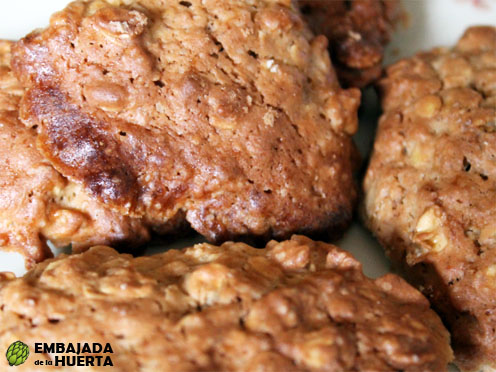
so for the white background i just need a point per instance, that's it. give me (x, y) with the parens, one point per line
(431, 23)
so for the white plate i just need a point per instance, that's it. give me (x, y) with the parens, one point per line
(431, 23)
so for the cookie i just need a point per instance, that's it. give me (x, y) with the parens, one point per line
(296, 305)
(431, 185)
(358, 31)
(226, 114)
(37, 204)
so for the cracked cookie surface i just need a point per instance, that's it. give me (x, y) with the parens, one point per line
(38, 204)
(431, 184)
(227, 114)
(297, 305)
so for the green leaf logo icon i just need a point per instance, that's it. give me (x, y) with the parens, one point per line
(17, 353)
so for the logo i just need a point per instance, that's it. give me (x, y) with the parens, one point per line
(17, 353)
(78, 357)
(62, 354)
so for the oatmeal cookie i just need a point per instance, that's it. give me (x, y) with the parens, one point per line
(431, 185)
(225, 112)
(358, 31)
(298, 305)
(38, 204)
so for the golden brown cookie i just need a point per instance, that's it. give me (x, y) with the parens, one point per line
(228, 113)
(431, 185)
(358, 31)
(298, 305)
(38, 204)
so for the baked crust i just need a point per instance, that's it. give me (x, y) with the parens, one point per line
(38, 204)
(295, 305)
(431, 184)
(227, 112)
(358, 31)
